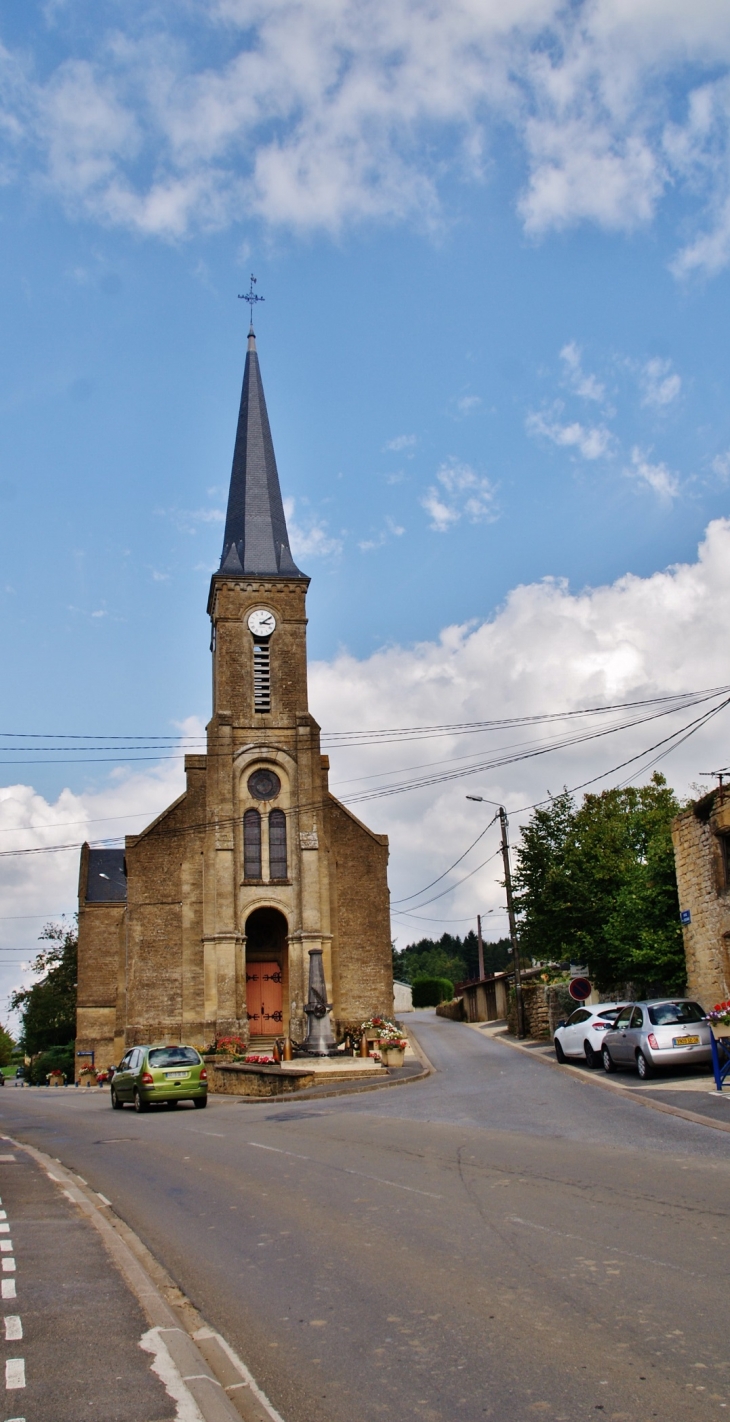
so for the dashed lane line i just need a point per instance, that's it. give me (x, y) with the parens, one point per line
(14, 1373)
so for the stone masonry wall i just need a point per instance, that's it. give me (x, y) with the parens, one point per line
(701, 880)
(361, 953)
(545, 1006)
(159, 984)
(101, 942)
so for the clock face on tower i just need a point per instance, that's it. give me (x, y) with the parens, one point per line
(261, 622)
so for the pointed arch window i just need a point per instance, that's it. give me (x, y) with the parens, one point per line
(252, 845)
(277, 845)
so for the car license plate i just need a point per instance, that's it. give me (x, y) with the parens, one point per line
(685, 1041)
(176, 1075)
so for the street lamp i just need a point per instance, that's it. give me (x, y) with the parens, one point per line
(504, 826)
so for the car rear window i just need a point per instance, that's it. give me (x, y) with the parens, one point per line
(672, 1014)
(173, 1056)
(609, 1016)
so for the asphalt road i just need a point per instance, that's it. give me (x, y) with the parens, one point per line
(499, 1240)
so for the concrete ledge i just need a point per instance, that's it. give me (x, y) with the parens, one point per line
(252, 1079)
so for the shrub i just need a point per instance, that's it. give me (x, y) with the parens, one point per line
(429, 992)
(45, 1062)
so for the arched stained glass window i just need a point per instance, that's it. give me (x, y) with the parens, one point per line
(252, 845)
(277, 845)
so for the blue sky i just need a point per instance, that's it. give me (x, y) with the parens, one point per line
(494, 255)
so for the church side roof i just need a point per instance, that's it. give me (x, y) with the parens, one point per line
(256, 542)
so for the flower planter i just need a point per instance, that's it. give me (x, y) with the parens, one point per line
(392, 1056)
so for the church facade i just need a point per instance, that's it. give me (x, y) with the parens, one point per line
(200, 928)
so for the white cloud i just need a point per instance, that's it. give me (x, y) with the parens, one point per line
(320, 113)
(588, 387)
(391, 530)
(547, 649)
(721, 464)
(468, 403)
(310, 538)
(463, 494)
(659, 478)
(591, 441)
(403, 441)
(660, 384)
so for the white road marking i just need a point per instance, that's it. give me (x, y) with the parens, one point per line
(14, 1373)
(3, 1214)
(278, 1151)
(8, 1266)
(629, 1254)
(103, 1198)
(7, 1157)
(7, 1289)
(13, 1327)
(4, 1228)
(163, 1365)
(344, 1170)
(6, 1246)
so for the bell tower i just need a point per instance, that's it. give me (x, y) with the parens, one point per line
(216, 905)
(263, 851)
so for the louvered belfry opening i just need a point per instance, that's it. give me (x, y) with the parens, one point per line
(262, 676)
(277, 845)
(252, 845)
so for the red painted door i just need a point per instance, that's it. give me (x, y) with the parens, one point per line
(264, 999)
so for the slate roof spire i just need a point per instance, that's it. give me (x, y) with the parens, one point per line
(256, 542)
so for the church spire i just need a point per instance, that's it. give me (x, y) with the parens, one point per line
(255, 542)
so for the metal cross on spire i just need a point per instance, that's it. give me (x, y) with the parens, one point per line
(251, 297)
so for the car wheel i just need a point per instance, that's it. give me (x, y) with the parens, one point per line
(116, 1103)
(139, 1104)
(643, 1066)
(592, 1058)
(200, 1102)
(607, 1059)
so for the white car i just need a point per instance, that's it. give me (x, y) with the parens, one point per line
(582, 1034)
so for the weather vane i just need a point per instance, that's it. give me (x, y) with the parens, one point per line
(251, 297)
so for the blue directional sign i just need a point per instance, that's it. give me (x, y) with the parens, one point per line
(685, 916)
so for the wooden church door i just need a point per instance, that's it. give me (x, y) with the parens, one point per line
(264, 999)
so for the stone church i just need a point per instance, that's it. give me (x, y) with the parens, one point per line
(200, 927)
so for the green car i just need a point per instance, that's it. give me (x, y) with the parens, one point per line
(160, 1074)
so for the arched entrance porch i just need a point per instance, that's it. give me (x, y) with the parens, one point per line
(267, 971)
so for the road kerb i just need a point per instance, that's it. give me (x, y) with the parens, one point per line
(187, 1339)
(606, 1084)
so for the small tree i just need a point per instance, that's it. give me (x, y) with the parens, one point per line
(48, 1008)
(597, 885)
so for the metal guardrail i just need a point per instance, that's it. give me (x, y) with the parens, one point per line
(720, 1059)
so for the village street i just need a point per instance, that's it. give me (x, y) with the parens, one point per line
(499, 1240)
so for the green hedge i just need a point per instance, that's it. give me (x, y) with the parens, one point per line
(429, 992)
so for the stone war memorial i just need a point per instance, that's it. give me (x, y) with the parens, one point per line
(202, 926)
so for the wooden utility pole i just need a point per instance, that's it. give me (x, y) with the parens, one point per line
(480, 946)
(519, 1002)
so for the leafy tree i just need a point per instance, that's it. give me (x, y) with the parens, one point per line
(596, 885)
(449, 957)
(48, 1008)
(7, 1047)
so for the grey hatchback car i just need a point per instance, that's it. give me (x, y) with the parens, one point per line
(667, 1032)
